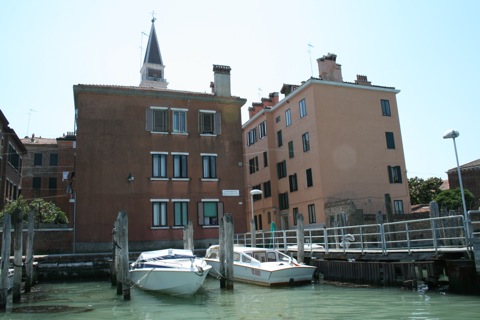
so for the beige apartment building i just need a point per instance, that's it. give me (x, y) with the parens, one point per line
(330, 150)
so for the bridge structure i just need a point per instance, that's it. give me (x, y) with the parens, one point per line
(434, 251)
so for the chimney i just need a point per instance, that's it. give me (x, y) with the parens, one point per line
(362, 80)
(328, 69)
(221, 81)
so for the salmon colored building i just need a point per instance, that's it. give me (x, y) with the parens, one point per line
(330, 150)
(166, 157)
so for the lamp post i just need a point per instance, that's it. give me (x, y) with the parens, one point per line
(452, 134)
(253, 192)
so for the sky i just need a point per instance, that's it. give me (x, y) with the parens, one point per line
(427, 49)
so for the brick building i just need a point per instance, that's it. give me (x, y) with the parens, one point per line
(331, 150)
(11, 163)
(164, 156)
(471, 181)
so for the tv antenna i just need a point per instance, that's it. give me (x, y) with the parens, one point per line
(141, 46)
(28, 123)
(310, 54)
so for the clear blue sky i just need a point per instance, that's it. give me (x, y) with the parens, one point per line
(428, 49)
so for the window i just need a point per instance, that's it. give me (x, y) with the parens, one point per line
(159, 213)
(288, 117)
(395, 174)
(306, 142)
(209, 212)
(180, 166)
(37, 183)
(311, 214)
(157, 119)
(282, 169)
(37, 159)
(291, 152)
(14, 158)
(386, 108)
(253, 165)
(267, 191)
(262, 129)
(54, 159)
(279, 138)
(52, 183)
(398, 204)
(209, 164)
(295, 216)
(293, 182)
(303, 108)
(209, 122)
(308, 173)
(265, 159)
(180, 213)
(257, 197)
(159, 165)
(269, 217)
(283, 201)
(179, 120)
(252, 136)
(390, 140)
(278, 119)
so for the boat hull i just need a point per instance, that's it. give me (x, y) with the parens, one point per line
(169, 281)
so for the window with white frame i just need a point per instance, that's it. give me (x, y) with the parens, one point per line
(209, 166)
(251, 136)
(180, 212)
(209, 122)
(159, 164)
(398, 204)
(303, 108)
(179, 120)
(159, 212)
(180, 165)
(157, 119)
(262, 129)
(209, 212)
(288, 117)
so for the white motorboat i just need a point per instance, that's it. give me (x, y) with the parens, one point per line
(263, 266)
(171, 271)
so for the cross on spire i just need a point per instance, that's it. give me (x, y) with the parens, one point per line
(153, 16)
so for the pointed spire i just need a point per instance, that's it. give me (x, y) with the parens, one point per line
(153, 69)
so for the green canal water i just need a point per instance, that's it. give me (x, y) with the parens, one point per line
(98, 300)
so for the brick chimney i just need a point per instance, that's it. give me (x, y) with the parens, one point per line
(328, 69)
(266, 103)
(362, 80)
(221, 81)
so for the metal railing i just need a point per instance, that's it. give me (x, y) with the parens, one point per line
(432, 234)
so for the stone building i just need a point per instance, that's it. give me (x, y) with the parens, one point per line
(167, 157)
(331, 150)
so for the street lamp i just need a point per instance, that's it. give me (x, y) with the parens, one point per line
(253, 192)
(452, 134)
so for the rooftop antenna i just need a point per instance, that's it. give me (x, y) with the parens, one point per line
(259, 94)
(28, 123)
(310, 54)
(141, 47)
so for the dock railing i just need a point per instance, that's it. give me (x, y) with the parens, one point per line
(432, 234)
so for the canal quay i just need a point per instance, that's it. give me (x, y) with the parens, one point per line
(432, 252)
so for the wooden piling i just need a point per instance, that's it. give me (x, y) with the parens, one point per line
(188, 236)
(5, 261)
(18, 253)
(124, 259)
(29, 277)
(221, 253)
(300, 238)
(115, 257)
(228, 235)
(253, 237)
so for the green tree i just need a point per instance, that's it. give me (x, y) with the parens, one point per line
(451, 199)
(423, 191)
(45, 211)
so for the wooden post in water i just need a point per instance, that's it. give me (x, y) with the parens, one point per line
(29, 278)
(5, 261)
(188, 236)
(300, 238)
(124, 265)
(253, 237)
(18, 253)
(115, 257)
(221, 253)
(228, 235)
